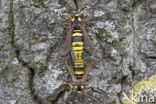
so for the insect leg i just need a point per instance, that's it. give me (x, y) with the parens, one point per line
(69, 84)
(88, 21)
(65, 21)
(70, 18)
(68, 15)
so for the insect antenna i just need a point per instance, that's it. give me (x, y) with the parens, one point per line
(82, 9)
(76, 5)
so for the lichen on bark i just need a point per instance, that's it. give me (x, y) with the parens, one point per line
(32, 61)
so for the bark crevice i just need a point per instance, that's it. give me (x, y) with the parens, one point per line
(16, 50)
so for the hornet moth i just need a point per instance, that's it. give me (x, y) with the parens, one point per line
(76, 41)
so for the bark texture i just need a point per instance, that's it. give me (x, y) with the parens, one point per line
(32, 60)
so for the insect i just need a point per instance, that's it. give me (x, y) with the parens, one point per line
(76, 42)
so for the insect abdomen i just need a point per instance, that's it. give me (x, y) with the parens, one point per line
(78, 46)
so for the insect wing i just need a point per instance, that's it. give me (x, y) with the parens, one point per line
(68, 41)
(69, 65)
(88, 68)
(87, 42)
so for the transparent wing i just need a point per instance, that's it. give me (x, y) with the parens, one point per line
(69, 65)
(88, 68)
(68, 41)
(87, 42)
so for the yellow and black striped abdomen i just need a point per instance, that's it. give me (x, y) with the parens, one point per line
(77, 47)
(77, 44)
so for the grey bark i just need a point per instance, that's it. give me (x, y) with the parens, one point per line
(32, 60)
